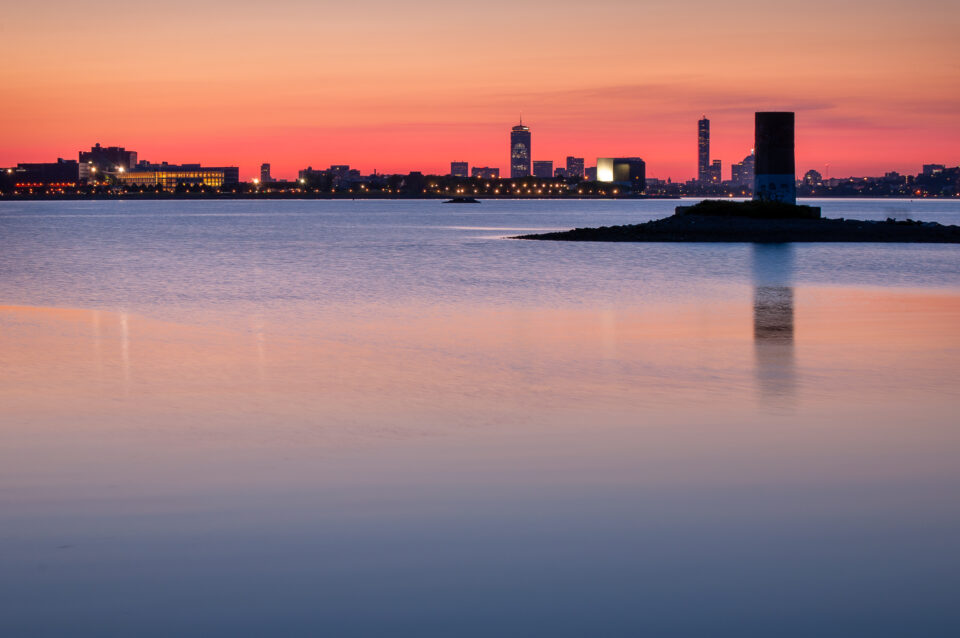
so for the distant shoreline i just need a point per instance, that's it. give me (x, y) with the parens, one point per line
(356, 196)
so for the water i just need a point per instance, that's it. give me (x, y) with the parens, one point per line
(382, 418)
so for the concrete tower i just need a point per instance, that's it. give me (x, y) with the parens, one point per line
(775, 170)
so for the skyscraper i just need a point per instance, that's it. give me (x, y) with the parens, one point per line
(741, 173)
(265, 173)
(458, 169)
(574, 167)
(520, 151)
(775, 175)
(703, 149)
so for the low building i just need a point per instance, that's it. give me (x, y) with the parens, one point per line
(485, 172)
(543, 169)
(62, 173)
(623, 170)
(170, 176)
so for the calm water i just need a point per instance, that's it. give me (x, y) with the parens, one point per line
(382, 418)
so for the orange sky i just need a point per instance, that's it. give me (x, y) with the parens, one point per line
(410, 86)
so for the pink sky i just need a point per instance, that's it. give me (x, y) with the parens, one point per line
(399, 87)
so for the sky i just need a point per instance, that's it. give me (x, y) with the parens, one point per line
(395, 87)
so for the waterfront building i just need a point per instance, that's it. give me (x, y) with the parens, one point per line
(703, 150)
(108, 158)
(590, 173)
(775, 175)
(560, 172)
(932, 169)
(265, 173)
(485, 172)
(623, 170)
(458, 169)
(574, 167)
(62, 173)
(170, 176)
(543, 169)
(520, 151)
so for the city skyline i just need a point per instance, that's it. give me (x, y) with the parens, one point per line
(873, 90)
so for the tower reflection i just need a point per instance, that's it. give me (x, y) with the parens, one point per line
(773, 322)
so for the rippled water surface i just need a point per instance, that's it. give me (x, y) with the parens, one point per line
(302, 418)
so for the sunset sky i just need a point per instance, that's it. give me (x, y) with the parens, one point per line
(407, 86)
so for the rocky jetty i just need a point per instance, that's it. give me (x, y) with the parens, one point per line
(761, 222)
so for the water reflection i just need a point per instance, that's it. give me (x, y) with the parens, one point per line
(773, 322)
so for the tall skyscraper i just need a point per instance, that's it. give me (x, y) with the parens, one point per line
(265, 173)
(775, 175)
(574, 167)
(458, 169)
(543, 169)
(703, 149)
(520, 151)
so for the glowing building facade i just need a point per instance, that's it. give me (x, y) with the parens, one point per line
(520, 152)
(624, 170)
(170, 176)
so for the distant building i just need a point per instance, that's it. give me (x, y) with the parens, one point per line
(775, 175)
(265, 173)
(560, 173)
(813, 178)
(458, 169)
(485, 172)
(932, 169)
(65, 173)
(543, 169)
(703, 150)
(574, 167)
(741, 173)
(714, 173)
(623, 170)
(170, 176)
(108, 158)
(520, 151)
(590, 173)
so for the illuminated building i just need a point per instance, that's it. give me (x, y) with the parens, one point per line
(775, 174)
(560, 172)
(169, 176)
(703, 149)
(625, 170)
(933, 169)
(574, 167)
(591, 173)
(485, 172)
(265, 173)
(458, 169)
(543, 169)
(108, 158)
(520, 151)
